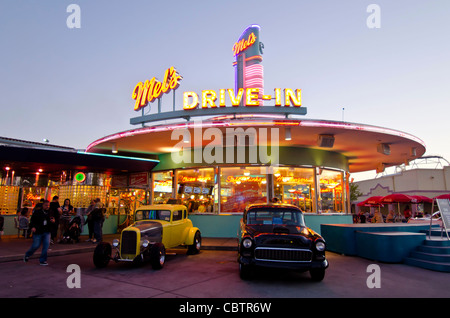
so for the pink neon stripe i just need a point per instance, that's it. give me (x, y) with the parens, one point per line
(303, 123)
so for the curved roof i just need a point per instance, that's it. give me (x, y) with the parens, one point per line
(358, 142)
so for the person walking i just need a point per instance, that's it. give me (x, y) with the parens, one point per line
(89, 221)
(40, 227)
(55, 211)
(67, 211)
(97, 218)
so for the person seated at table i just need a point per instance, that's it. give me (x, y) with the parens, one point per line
(390, 217)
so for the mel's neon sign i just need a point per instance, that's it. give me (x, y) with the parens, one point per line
(243, 44)
(150, 90)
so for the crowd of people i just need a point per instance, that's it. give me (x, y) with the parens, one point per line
(378, 217)
(51, 222)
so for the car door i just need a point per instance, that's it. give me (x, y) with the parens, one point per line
(178, 227)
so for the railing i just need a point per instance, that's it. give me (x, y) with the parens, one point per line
(431, 223)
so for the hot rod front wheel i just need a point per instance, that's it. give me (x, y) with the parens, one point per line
(157, 255)
(102, 254)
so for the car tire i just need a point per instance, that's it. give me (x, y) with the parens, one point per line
(245, 271)
(317, 274)
(102, 254)
(195, 247)
(157, 256)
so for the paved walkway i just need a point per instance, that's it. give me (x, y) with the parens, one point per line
(13, 248)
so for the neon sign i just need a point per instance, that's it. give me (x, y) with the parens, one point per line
(80, 177)
(195, 179)
(209, 98)
(243, 44)
(241, 179)
(300, 180)
(150, 90)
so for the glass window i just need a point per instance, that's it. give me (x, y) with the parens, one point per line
(162, 187)
(331, 197)
(275, 217)
(153, 215)
(196, 189)
(177, 215)
(295, 186)
(241, 186)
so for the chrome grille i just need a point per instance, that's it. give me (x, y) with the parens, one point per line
(128, 243)
(282, 254)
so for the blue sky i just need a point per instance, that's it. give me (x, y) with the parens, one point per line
(73, 86)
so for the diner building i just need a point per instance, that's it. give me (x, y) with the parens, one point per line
(308, 174)
(218, 151)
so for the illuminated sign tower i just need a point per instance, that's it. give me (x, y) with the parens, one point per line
(248, 52)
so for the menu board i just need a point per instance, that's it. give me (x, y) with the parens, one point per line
(444, 209)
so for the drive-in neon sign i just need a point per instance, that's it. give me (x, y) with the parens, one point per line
(150, 90)
(210, 99)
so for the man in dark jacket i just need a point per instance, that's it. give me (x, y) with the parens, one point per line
(55, 211)
(40, 225)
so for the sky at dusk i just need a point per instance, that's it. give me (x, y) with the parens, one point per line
(73, 86)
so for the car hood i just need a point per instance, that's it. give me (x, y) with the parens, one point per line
(282, 235)
(150, 230)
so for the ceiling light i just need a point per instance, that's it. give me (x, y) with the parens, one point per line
(287, 133)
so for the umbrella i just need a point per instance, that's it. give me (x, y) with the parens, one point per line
(372, 201)
(362, 203)
(443, 196)
(421, 199)
(375, 200)
(397, 198)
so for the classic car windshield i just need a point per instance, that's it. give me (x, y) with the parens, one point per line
(153, 215)
(274, 216)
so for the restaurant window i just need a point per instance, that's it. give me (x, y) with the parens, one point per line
(162, 187)
(9, 197)
(196, 190)
(331, 197)
(295, 186)
(80, 196)
(240, 186)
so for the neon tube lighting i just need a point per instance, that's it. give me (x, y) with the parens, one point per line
(230, 122)
(114, 156)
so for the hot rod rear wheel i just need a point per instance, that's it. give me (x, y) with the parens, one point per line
(195, 247)
(102, 254)
(317, 274)
(157, 255)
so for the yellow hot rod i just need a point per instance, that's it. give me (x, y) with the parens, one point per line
(155, 228)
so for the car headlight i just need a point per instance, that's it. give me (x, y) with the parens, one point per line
(247, 243)
(320, 246)
(145, 243)
(115, 243)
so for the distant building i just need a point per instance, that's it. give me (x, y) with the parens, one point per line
(428, 176)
